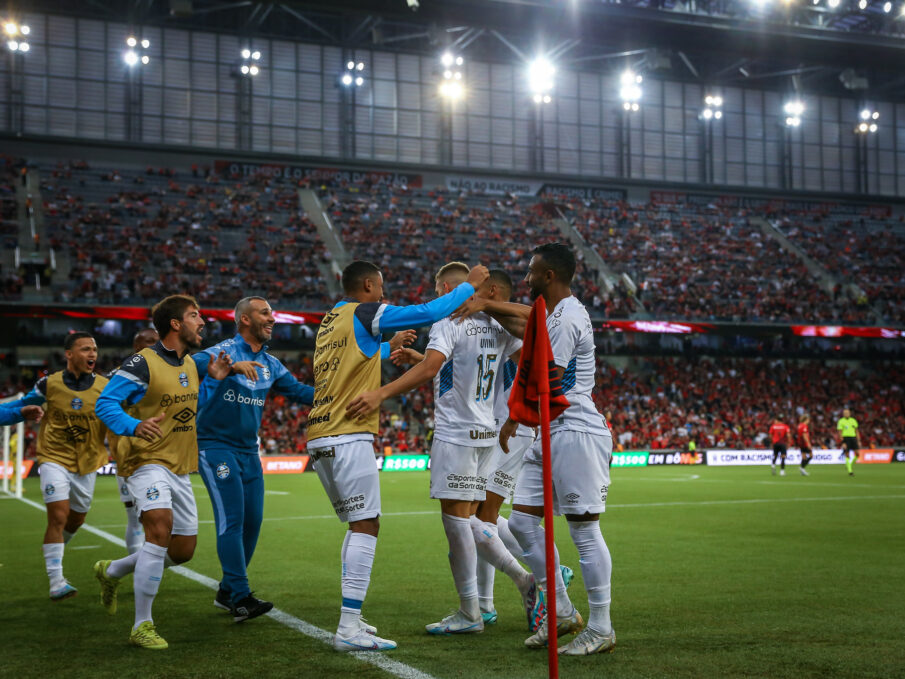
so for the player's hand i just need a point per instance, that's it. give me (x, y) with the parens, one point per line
(149, 429)
(471, 306)
(32, 413)
(406, 356)
(363, 405)
(220, 367)
(247, 369)
(402, 339)
(478, 274)
(507, 431)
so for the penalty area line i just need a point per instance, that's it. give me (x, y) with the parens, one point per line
(379, 660)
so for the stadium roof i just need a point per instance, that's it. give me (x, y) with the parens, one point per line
(716, 42)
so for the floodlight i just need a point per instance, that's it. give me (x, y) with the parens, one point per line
(540, 75)
(145, 43)
(862, 4)
(833, 4)
(256, 55)
(252, 70)
(707, 113)
(130, 57)
(359, 81)
(865, 114)
(718, 115)
(538, 98)
(244, 69)
(346, 79)
(360, 66)
(873, 127)
(875, 115)
(10, 28)
(451, 90)
(25, 30)
(350, 65)
(146, 60)
(246, 53)
(447, 74)
(447, 59)
(459, 61)
(794, 108)
(887, 7)
(13, 45)
(131, 41)
(793, 121)
(862, 127)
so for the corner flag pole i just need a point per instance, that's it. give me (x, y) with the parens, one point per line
(550, 546)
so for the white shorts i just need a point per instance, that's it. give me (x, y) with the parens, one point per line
(348, 472)
(124, 494)
(153, 486)
(501, 480)
(459, 472)
(581, 473)
(58, 483)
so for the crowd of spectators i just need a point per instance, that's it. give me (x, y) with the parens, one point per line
(134, 237)
(868, 253)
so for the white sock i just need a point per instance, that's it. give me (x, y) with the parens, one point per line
(502, 527)
(53, 563)
(135, 534)
(122, 567)
(486, 575)
(67, 536)
(531, 537)
(148, 572)
(596, 569)
(492, 550)
(342, 554)
(463, 561)
(359, 551)
(168, 561)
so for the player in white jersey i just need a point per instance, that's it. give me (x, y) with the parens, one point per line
(464, 361)
(581, 448)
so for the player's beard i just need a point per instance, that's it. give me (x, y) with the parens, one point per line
(191, 339)
(534, 293)
(261, 333)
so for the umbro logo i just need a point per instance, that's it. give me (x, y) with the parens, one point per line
(185, 415)
(75, 434)
(573, 498)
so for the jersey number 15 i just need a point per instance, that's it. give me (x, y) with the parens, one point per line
(484, 386)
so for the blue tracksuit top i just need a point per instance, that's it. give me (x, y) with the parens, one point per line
(229, 414)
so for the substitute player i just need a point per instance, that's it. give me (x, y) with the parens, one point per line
(851, 439)
(135, 534)
(161, 384)
(780, 434)
(463, 360)
(804, 443)
(346, 363)
(70, 449)
(581, 451)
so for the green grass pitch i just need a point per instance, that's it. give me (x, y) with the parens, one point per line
(717, 573)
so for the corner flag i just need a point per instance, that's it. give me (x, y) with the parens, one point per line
(536, 398)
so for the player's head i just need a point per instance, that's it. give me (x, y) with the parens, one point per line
(551, 264)
(498, 287)
(449, 276)
(804, 418)
(180, 314)
(81, 352)
(254, 317)
(363, 281)
(144, 338)
(846, 413)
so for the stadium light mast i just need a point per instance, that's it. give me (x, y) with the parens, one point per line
(541, 77)
(349, 82)
(865, 130)
(793, 111)
(710, 115)
(451, 90)
(17, 46)
(247, 68)
(135, 57)
(630, 93)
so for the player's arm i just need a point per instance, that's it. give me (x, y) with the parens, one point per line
(511, 315)
(203, 360)
(425, 371)
(217, 371)
(129, 385)
(287, 385)
(26, 408)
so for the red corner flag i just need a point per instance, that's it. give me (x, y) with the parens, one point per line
(536, 398)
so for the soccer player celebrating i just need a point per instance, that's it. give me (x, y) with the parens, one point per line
(70, 448)
(347, 362)
(804, 443)
(464, 361)
(160, 384)
(135, 534)
(581, 450)
(851, 439)
(780, 433)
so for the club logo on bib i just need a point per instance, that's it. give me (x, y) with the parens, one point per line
(153, 493)
(49, 489)
(222, 471)
(166, 401)
(76, 403)
(230, 395)
(183, 379)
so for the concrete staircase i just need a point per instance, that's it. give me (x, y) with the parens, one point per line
(332, 239)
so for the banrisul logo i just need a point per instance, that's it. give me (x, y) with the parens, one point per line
(76, 403)
(183, 379)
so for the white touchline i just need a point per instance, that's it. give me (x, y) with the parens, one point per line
(383, 662)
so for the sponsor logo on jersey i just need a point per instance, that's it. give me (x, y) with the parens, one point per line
(233, 397)
(325, 400)
(472, 329)
(603, 492)
(573, 498)
(184, 416)
(152, 493)
(49, 489)
(320, 419)
(169, 399)
(75, 434)
(183, 379)
(479, 435)
(222, 471)
(166, 401)
(76, 403)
